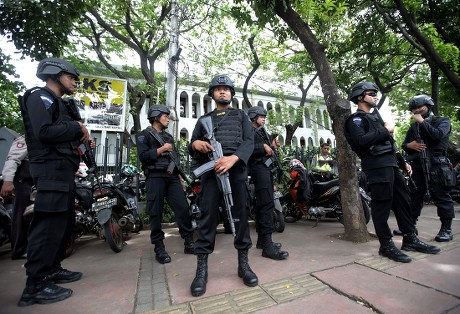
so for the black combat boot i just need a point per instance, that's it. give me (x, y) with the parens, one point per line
(198, 286)
(260, 247)
(160, 253)
(388, 249)
(412, 243)
(42, 292)
(244, 271)
(62, 275)
(270, 251)
(445, 233)
(189, 245)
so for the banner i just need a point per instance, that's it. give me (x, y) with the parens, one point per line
(102, 102)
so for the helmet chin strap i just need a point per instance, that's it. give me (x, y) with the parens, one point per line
(223, 101)
(63, 88)
(371, 104)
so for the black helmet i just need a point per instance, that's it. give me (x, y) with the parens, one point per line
(221, 80)
(53, 66)
(157, 110)
(360, 88)
(255, 111)
(420, 100)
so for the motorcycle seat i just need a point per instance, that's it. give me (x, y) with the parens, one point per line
(320, 186)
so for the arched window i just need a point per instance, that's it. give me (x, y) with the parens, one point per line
(319, 119)
(307, 118)
(183, 107)
(310, 143)
(196, 110)
(326, 119)
(302, 141)
(184, 134)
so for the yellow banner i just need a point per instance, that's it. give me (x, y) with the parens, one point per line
(102, 102)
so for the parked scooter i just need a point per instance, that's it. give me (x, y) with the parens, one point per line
(308, 196)
(116, 211)
(5, 220)
(278, 216)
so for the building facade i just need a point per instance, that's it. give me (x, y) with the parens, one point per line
(193, 101)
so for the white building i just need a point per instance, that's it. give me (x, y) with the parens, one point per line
(194, 102)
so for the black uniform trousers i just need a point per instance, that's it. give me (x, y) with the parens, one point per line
(211, 199)
(439, 194)
(159, 187)
(263, 185)
(389, 192)
(20, 224)
(54, 216)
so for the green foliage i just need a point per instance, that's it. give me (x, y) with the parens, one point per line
(10, 114)
(40, 28)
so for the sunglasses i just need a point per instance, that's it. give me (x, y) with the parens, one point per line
(372, 94)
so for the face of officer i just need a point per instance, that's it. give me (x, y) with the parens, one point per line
(421, 110)
(259, 121)
(367, 100)
(69, 82)
(222, 96)
(162, 121)
(325, 150)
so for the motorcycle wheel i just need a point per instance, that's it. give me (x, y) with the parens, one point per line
(366, 210)
(278, 221)
(114, 234)
(139, 226)
(292, 213)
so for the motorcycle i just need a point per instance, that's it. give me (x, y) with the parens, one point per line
(278, 216)
(116, 208)
(5, 220)
(309, 196)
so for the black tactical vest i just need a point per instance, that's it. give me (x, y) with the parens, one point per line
(228, 129)
(38, 151)
(370, 123)
(163, 160)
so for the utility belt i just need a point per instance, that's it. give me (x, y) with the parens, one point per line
(267, 161)
(151, 169)
(440, 160)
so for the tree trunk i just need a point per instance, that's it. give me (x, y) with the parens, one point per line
(339, 110)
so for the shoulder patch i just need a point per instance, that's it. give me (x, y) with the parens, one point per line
(141, 138)
(357, 121)
(47, 101)
(20, 144)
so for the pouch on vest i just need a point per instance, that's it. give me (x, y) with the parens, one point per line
(380, 149)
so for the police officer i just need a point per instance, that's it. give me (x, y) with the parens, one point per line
(17, 182)
(323, 163)
(261, 175)
(53, 132)
(233, 129)
(156, 158)
(430, 134)
(372, 141)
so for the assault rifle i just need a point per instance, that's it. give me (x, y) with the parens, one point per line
(424, 161)
(399, 158)
(223, 180)
(174, 164)
(273, 160)
(194, 210)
